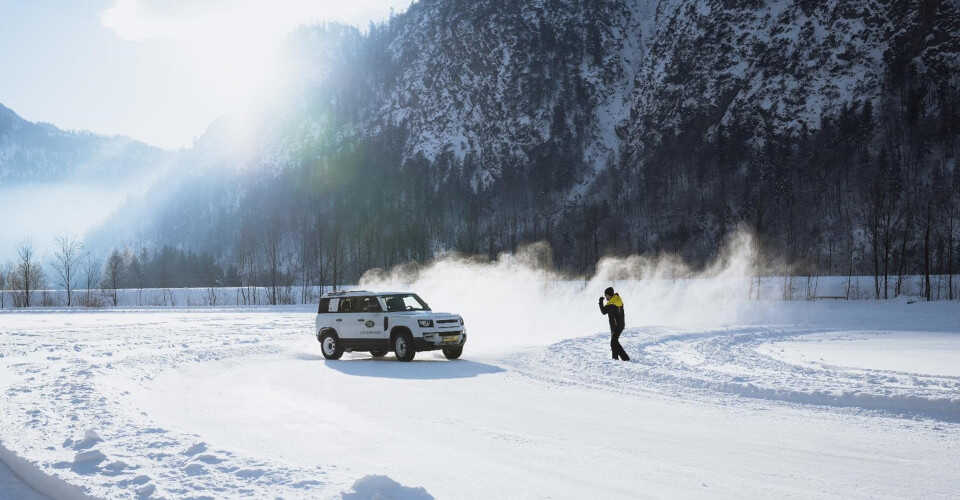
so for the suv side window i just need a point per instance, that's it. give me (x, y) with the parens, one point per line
(346, 305)
(324, 306)
(367, 304)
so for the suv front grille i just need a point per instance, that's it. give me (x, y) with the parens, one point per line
(448, 321)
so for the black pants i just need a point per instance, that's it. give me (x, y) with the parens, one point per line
(616, 348)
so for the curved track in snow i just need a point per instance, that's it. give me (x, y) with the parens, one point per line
(744, 362)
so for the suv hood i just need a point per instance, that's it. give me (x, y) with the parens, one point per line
(428, 314)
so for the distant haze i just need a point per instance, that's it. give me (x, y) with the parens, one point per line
(39, 213)
(159, 72)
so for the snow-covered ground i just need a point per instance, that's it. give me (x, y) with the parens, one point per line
(801, 399)
(915, 354)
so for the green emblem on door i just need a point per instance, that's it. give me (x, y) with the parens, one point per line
(369, 324)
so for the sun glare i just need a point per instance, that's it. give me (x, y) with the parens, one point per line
(214, 58)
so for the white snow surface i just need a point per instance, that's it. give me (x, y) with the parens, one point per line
(803, 399)
(915, 354)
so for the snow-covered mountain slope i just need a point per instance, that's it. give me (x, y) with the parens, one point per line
(499, 85)
(602, 126)
(782, 62)
(500, 81)
(712, 62)
(40, 152)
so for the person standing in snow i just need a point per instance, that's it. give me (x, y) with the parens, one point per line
(614, 311)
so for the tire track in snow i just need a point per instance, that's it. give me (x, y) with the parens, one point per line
(721, 362)
(68, 431)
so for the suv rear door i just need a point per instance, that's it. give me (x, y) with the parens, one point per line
(345, 319)
(370, 317)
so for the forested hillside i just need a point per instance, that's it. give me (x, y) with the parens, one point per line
(829, 129)
(40, 153)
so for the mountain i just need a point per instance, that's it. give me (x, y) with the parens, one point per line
(42, 153)
(599, 126)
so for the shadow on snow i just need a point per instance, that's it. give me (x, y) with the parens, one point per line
(422, 369)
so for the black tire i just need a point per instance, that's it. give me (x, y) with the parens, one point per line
(453, 352)
(403, 347)
(330, 345)
(378, 354)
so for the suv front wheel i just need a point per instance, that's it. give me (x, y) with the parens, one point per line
(453, 352)
(330, 345)
(403, 347)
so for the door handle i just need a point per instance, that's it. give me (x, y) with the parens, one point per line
(339, 320)
(360, 320)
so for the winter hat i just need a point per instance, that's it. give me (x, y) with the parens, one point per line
(608, 291)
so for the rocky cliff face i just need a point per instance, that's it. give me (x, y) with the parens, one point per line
(501, 85)
(504, 81)
(783, 63)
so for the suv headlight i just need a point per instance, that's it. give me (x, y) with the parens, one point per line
(425, 323)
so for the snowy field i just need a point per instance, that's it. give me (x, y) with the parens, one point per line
(796, 399)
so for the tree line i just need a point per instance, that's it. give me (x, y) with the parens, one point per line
(86, 279)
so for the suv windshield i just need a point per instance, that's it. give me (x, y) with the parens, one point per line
(406, 302)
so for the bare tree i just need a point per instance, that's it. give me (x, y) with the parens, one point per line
(6, 275)
(138, 259)
(135, 270)
(275, 260)
(91, 269)
(246, 255)
(29, 275)
(320, 255)
(66, 260)
(336, 257)
(114, 271)
(928, 223)
(305, 261)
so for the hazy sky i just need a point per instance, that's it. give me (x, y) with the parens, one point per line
(156, 70)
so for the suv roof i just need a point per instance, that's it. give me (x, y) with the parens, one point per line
(359, 293)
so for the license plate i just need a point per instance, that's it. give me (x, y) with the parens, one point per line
(451, 340)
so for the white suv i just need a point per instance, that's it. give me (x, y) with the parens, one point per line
(382, 322)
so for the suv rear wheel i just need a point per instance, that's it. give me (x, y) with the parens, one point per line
(403, 347)
(330, 345)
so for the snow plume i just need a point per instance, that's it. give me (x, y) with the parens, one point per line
(520, 299)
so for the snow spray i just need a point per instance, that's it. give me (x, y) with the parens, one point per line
(519, 299)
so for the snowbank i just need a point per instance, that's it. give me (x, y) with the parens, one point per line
(41, 482)
(384, 488)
